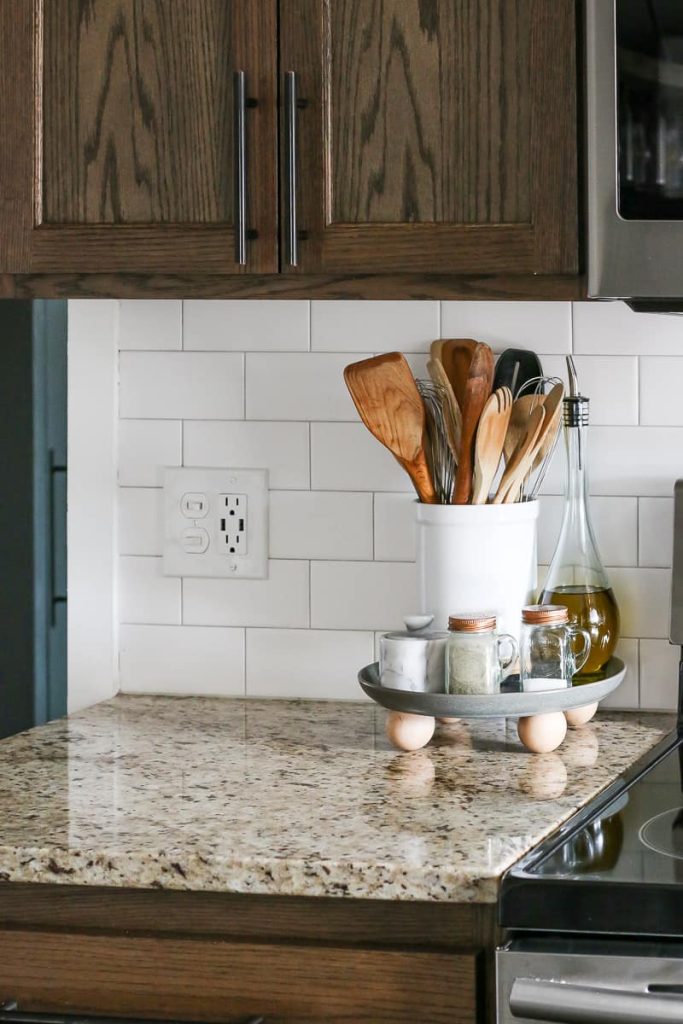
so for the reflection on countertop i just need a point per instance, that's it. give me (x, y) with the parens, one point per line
(291, 797)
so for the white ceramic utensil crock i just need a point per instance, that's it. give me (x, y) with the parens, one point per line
(477, 557)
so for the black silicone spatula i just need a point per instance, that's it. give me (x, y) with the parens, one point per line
(514, 368)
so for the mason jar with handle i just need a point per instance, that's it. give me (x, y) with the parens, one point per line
(551, 650)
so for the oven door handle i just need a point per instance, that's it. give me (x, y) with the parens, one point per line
(554, 1002)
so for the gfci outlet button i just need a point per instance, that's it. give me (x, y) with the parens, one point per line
(194, 505)
(195, 540)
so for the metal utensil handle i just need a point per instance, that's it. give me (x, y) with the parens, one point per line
(554, 1002)
(291, 171)
(241, 103)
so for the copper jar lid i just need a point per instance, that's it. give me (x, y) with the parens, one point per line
(545, 614)
(481, 623)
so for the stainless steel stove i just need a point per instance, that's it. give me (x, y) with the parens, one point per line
(594, 916)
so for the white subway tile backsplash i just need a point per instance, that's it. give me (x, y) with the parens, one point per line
(281, 448)
(280, 600)
(362, 595)
(643, 598)
(145, 447)
(181, 385)
(320, 524)
(610, 382)
(345, 457)
(656, 531)
(260, 385)
(296, 386)
(151, 324)
(542, 326)
(313, 663)
(182, 660)
(233, 325)
(141, 521)
(628, 461)
(626, 696)
(661, 390)
(395, 533)
(611, 328)
(349, 326)
(658, 675)
(147, 596)
(615, 521)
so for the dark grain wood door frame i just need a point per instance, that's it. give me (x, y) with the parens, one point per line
(30, 245)
(545, 243)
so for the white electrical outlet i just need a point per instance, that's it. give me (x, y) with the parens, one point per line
(216, 522)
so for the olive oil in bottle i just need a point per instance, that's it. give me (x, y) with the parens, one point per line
(577, 577)
(595, 610)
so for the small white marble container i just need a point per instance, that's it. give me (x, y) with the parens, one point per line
(414, 659)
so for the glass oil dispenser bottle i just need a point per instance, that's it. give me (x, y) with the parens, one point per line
(577, 578)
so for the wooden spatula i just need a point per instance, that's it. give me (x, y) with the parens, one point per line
(477, 388)
(520, 462)
(385, 394)
(488, 447)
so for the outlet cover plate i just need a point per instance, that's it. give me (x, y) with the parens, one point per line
(196, 547)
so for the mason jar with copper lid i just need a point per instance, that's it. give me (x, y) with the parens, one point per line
(551, 650)
(475, 654)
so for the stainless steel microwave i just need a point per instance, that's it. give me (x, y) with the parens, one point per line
(634, 119)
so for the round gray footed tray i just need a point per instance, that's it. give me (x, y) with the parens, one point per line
(498, 705)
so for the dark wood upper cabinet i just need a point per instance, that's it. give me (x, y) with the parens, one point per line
(423, 141)
(119, 135)
(434, 135)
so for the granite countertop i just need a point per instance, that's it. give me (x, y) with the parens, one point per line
(290, 797)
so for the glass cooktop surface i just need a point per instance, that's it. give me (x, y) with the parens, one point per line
(636, 838)
(617, 871)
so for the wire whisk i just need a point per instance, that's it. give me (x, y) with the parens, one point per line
(439, 454)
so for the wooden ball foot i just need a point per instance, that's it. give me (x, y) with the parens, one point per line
(409, 732)
(577, 717)
(542, 733)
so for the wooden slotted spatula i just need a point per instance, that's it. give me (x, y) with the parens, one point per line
(520, 463)
(477, 389)
(488, 447)
(385, 394)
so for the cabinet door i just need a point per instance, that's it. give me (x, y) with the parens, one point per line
(432, 135)
(120, 145)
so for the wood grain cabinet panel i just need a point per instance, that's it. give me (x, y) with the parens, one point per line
(435, 151)
(435, 135)
(121, 126)
(205, 980)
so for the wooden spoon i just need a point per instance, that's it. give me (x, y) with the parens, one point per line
(477, 388)
(456, 354)
(451, 412)
(520, 462)
(385, 394)
(488, 449)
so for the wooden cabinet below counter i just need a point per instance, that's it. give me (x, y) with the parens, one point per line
(205, 957)
(247, 148)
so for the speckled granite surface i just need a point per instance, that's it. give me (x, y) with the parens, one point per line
(289, 797)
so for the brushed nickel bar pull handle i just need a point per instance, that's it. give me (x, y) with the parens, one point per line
(290, 167)
(240, 105)
(552, 1002)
